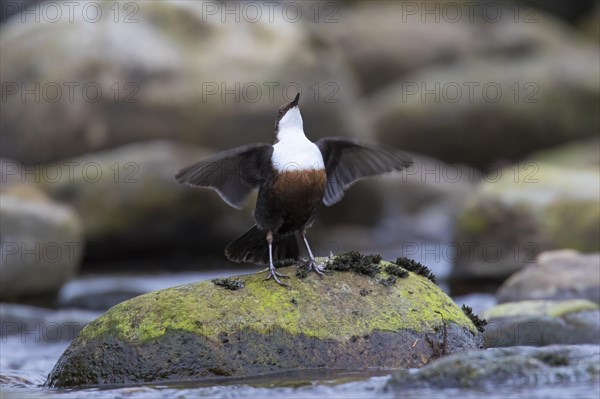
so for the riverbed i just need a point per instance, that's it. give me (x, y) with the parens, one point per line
(27, 358)
(25, 366)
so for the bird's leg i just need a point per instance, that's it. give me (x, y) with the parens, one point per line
(272, 272)
(312, 263)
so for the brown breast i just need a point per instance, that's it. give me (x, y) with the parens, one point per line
(299, 188)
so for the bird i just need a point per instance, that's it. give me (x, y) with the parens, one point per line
(293, 176)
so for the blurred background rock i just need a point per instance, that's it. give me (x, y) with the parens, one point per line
(499, 109)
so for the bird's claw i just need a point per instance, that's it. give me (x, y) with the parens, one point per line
(275, 275)
(313, 266)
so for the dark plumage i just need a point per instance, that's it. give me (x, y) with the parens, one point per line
(293, 177)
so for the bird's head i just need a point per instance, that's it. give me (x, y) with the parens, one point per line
(288, 118)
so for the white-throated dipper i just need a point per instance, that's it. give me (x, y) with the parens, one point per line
(293, 176)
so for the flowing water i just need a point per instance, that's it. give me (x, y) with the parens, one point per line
(27, 357)
(25, 364)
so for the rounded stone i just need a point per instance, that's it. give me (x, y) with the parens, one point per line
(542, 322)
(563, 274)
(506, 367)
(344, 320)
(41, 246)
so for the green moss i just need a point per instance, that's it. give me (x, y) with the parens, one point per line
(391, 280)
(369, 265)
(477, 321)
(229, 283)
(540, 308)
(573, 306)
(307, 307)
(573, 224)
(396, 270)
(416, 267)
(302, 271)
(472, 221)
(353, 261)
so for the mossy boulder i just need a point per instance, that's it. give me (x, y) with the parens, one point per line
(563, 274)
(522, 210)
(345, 320)
(484, 373)
(553, 102)
(160, 84)
(41, 244)
(543, 322)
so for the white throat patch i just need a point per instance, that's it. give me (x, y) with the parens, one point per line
(294, 151)
(291, 119)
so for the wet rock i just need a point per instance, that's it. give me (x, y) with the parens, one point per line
(205, 330)
(523, 210)
(131, 205)
(43, 325)
(516, 367)
(95, 91)
(579, 154)
(367, 37)
(562, 274)
(41, 244)
(541, 322)
(483, 111)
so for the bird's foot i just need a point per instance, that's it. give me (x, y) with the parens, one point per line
(275, 275)
(314, 266)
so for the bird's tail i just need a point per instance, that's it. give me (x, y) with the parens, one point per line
(252, 247)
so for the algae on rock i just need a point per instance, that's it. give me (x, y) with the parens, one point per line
(202, 329)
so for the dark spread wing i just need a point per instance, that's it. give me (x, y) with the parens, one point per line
(233, 173)
(348, 160)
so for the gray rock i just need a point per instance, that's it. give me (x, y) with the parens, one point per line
(562, 274)
(579, 154)
(131, 206)
(491, 125)
(539, 323)
(523, 210)
(344, 320)
(42, 243)
(181, 74)
(515, 367)
(366, 35)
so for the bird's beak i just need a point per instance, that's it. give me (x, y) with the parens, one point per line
(295, 102)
